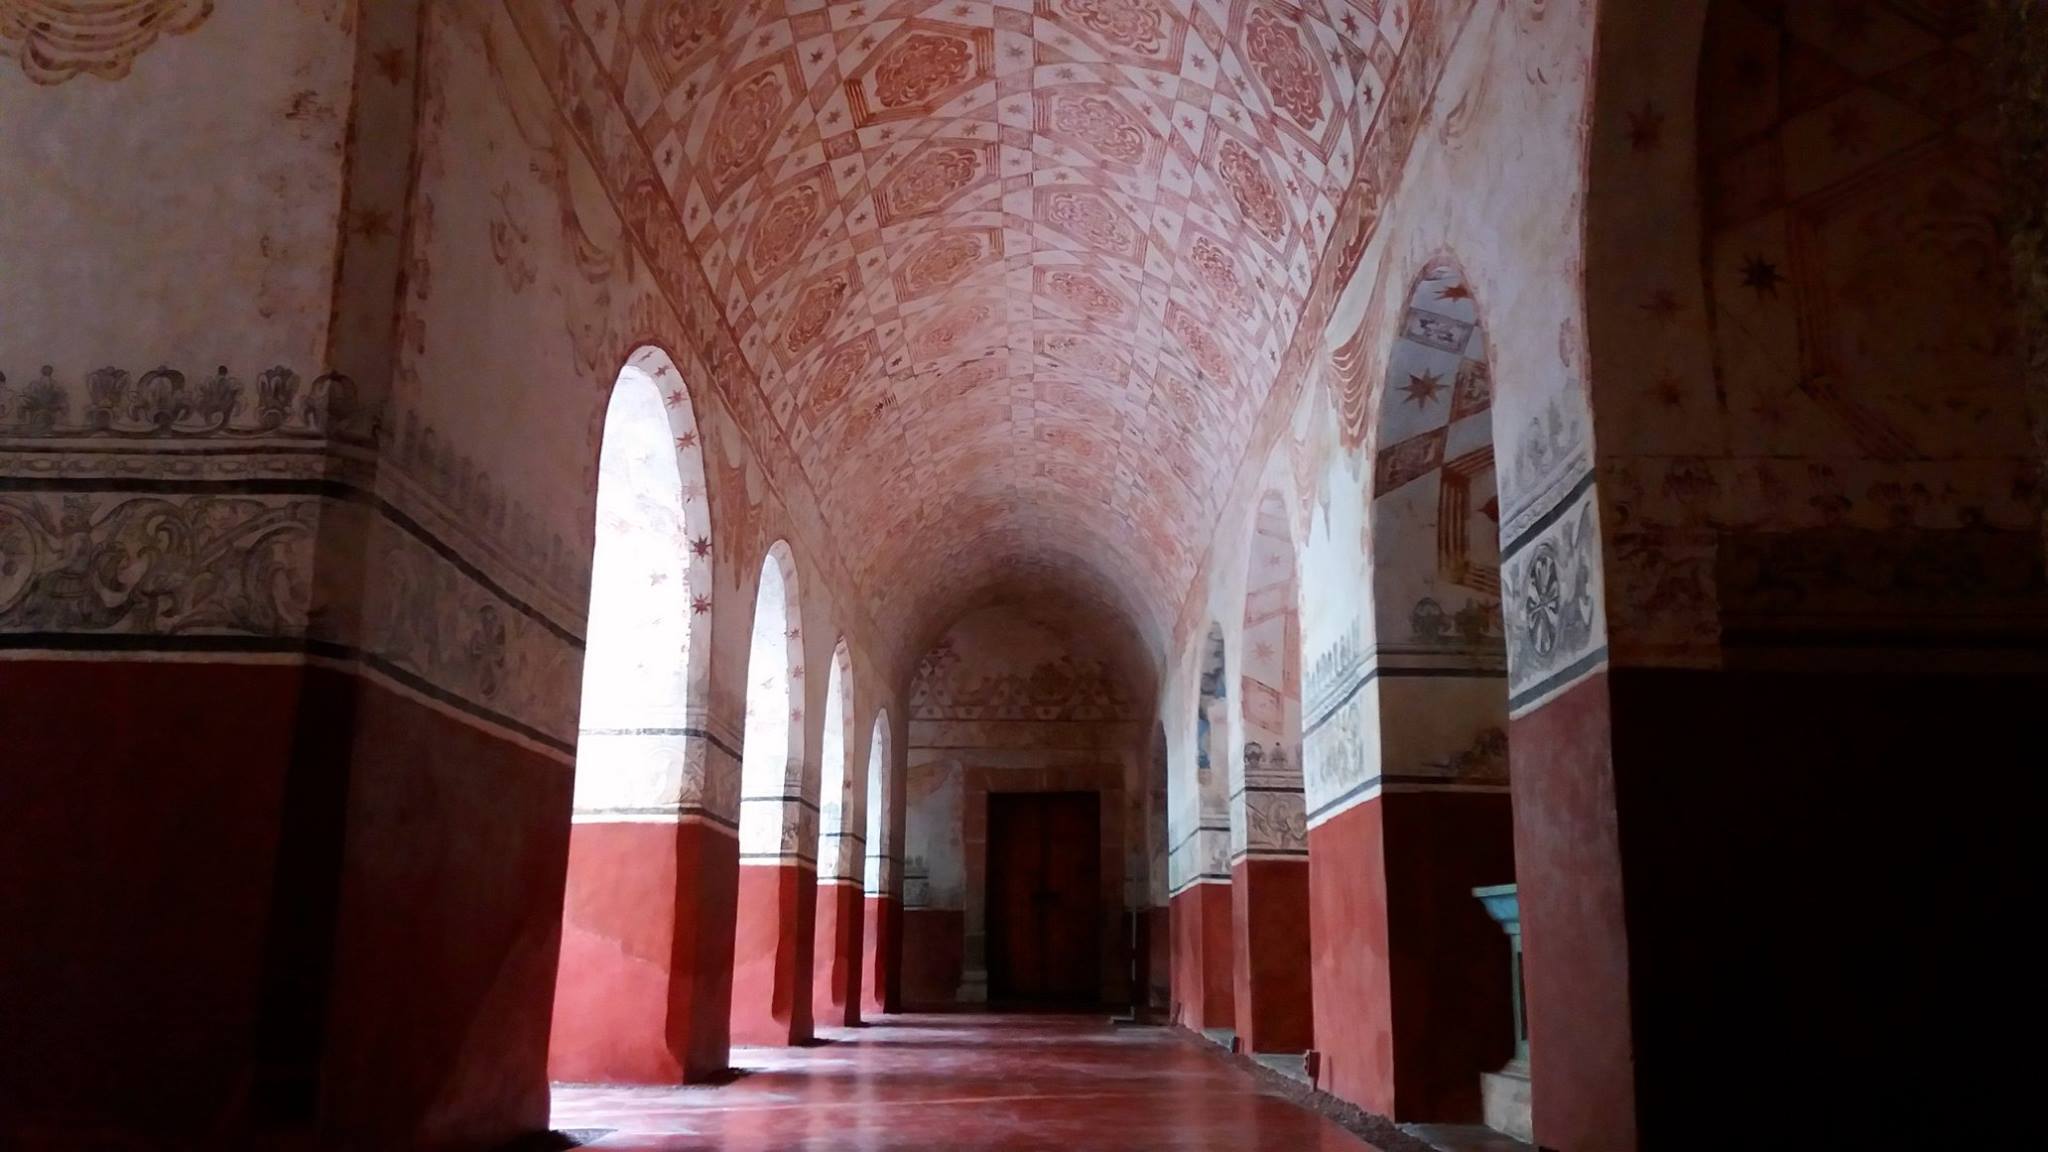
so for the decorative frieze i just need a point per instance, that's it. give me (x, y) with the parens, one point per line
(214, 512)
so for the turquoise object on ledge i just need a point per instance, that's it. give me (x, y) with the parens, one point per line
(1501, 903)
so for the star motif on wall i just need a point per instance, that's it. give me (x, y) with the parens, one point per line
(1454, 291)
(796, 673)
(1662, 305)
(675, 398)
(390, 62)
(1761, 276)
(1263, 650)
(700, 546)
(373, 223)
(686, 441)
(1646, 128)
(700, 605)
(1423, 388)
(1668, 390)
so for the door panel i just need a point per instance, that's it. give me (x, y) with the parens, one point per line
(1044, 897)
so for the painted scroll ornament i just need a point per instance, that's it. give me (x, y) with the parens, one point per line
(56, 40)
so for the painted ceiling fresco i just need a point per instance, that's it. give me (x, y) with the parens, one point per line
(1014, 276)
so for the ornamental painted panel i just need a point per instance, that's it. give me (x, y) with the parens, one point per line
(57, 40)
(1014, 195)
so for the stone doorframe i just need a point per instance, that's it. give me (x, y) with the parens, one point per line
(1106, 779)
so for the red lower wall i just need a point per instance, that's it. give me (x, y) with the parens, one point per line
(1877, 850)
(1575, 965)
(1453, 1003)
(1159, 961)
(636, 1000)
(881, 948)
(836, 965)
(1411, 977)
(1351, 963)
(610, 1022)
(144, 807)
(933, 941)
(1270, 947)
(448, 932)
(1201, 930)
(772, 949)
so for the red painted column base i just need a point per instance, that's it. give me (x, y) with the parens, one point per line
(1270, 946)
(836, 967)
(1202, 993)
(881, 945)
(637, 1000)
(772, 949)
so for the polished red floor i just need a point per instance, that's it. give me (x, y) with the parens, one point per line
(957, 1083)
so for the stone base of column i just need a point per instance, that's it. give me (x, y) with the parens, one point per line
(973, 987)
(1504, 1101)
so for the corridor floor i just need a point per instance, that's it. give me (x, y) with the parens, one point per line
(959, 1083)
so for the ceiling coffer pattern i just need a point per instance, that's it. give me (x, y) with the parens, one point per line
(1013, 277)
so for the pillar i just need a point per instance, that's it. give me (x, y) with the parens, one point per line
(643, 995)
(1269, 896)
(1409, 975)
(836, 969)
(1202, 983)
(773, 945)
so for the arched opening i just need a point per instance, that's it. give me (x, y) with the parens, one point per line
(771, 974)
(643, 670)
(1268, 820)
(836, 964)
(1441, 804)
(882, 918)
(1203, 983)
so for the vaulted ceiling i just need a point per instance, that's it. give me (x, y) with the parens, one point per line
(1014, 276)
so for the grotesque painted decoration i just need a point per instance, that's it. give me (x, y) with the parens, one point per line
(55, 40)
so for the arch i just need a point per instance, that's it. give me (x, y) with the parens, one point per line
(1268, 817)
(1440, 801)
(638, 779)
(836, 963)
(881, 920)
(877, 873)
(645, 659)
(839, 827)
(777, 902)
(1266, 813)
(774, 808)
(1435, 495)
(1212, 720)
(1201, 903)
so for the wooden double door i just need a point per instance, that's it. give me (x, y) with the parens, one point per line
(1045, 898)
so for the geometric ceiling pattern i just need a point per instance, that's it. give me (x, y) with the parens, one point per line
(1014, 277)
